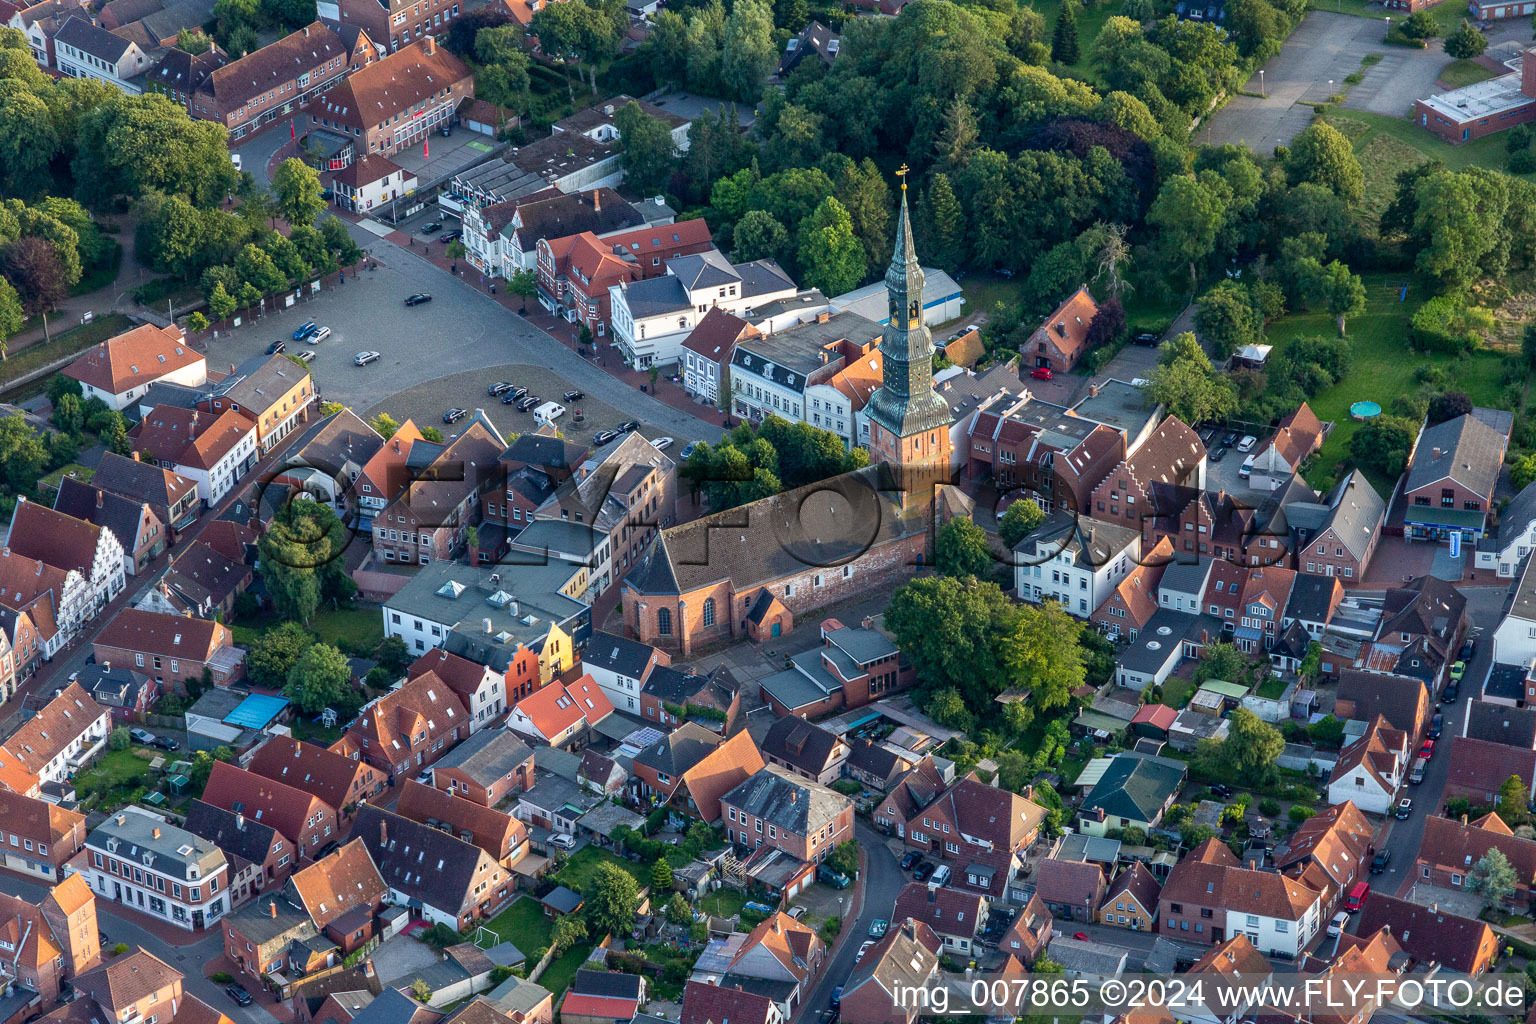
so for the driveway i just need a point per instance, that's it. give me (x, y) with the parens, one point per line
(444, 353)
(1402, 77)
(1324, 47)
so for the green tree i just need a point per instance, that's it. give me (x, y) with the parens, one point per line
(1251, 746)
(961, 549)
(649, 155)
(1064, 43)
(119, 738)
(942, 225)
(1322, 155)
(300, 559)
(297, 189)
(68, 415)
(320, 679)
(22, 453)
(385, 424)
(275, 651)
(28, 140)
(661, 875)
(1522, 472)
(12, 317)
(193, 41)
(1022, 516)
(612, 897)
(1466, 42)
(1343, 293)
(392, 655)
(220, 303)
(197, 323)
(116, 437)
(1192, 394)
(831, 256)
(1383, 443)
(1223, 662)
(1187, 215)
(1514, 802)
(845, 857)
(1493, 878)
(947, 707)
(524, 284)
(759, 236)
(677, 911)
(1228, 320)
(1421, 25)
(748, 54)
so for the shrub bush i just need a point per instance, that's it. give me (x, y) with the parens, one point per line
(1300, 812)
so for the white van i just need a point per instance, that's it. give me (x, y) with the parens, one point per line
(1416, 773)
(939, 878)
(548, 413)
(1338, 924)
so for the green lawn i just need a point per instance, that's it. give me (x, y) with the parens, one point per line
(1460, 73)
(524, 925)
(116, 768)
(1272, 688)
(362, 626)
(557, 977)
(578, 871)
(74, 470)
(722, 903)
(1176, 692)
(1382, 367)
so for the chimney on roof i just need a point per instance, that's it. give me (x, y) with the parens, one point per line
(155, 832)
(429, 46)
(272, 906)
(122, 819)
(383, 831)
(240, 821)
(823, 316)
(100, 497)
(136, 457)
(397, 446)
(306, 32)
(106, 666)
(1093, 391)
(1437, 453)
(368, 967)
(597, 200)
(1434, 908)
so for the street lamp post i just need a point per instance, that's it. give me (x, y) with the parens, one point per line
(1261, 84)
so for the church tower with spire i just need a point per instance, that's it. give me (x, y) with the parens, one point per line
(908, 419)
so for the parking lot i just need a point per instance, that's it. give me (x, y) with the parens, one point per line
(444, 353)
(1326, 47)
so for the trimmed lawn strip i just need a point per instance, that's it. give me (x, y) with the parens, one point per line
(1461, 73)
(524, 925)
(578, 872)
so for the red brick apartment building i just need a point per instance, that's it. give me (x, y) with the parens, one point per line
(338, 780)
(429, 519)
(576, 271)
(304, 819)
(394, 103)
(170, 648)
(275, 81)
(402, 22)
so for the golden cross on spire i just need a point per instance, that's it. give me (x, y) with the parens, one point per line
(901, 172)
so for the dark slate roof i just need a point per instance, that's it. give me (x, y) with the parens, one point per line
(1499, 723)
(790, 802)
(617, 654)
(876, 760)
(1355, 512)
(180, 71)
(92, 39)
(1152, 647)
(678, 751)
(1186, 577)
(431, 866)
(488, 755)
(672, 685)
(542, 450)
(573, 213)
(1135, 786)
(562, 900)
(336, 440)
(1310, 597)
(799, 743)
(102, 508)
(609, 984)
(1517, 515)
(1471, 451)
(1506, 681)
(246, 838)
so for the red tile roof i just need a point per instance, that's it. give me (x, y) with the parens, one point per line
(424, 705)
(46, 734)
(391, 85)
(1067, 328)
(134, 358)
(1428, 933)
(38, 531)
(310, 767)
(598, 1006)
(495, 832)
(557, 707)
(715, 1004)
(285, 808)
(715, 335)
(339, 883)
(173, 636)
(191, 437)
(947, 911)
(462, 675)
(720, 771)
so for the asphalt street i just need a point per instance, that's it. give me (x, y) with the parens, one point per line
(883, 880)
(1403, 837)
(462, 331)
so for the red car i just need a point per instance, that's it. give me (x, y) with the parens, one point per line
(1042, 373)
(1081, 936)
(1428, 749)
